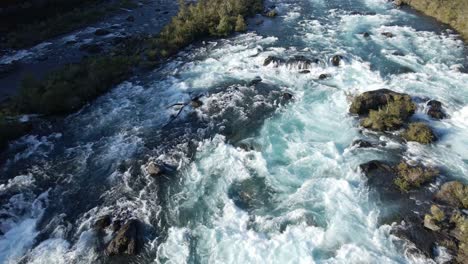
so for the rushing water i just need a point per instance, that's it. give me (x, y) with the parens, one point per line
(291, 160)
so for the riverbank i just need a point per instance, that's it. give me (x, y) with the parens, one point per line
(69, 88)
(453, 13)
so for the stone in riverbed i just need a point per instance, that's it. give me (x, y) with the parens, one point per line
(336, 60)
(359, 143)
(324, 76)
(388, 34)
(153, 169)
(435, 110)
(273, 60)
(126, 241)
(454, 193)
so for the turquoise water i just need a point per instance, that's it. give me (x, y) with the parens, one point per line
(252, 179)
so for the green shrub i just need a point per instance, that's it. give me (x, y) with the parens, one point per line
(409, 177)
(240, 24)
(69, 88)
(392, 116)
(419, 132)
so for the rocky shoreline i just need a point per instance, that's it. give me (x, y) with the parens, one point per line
(437, 218)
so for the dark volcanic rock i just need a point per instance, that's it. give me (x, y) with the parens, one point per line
(361, 143)
(304, 72)
(255, 81)
(126, 241)
(101, 32)
(388, 34)
(373, 100)
(272, 59)
(366, 34)
(130, 18)
(91, 48)
(103, 222)
(324, 76)
(435, 110)
(301, 62)
(336, 60)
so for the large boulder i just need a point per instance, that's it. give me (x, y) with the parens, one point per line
(454, 193)
(383, 109)
(373, 100)
(126, 241)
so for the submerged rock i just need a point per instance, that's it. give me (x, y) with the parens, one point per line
(453, 193)
(252, 193)
(103, 222)
(196, 103)
(130, 19)
(304, 72)
(388, 34)
(336, 60)
(419, 132)
(272, 59)
(126, 241)
(361, 143)
(435, 110)
(256, 81)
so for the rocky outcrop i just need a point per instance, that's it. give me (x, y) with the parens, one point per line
(126, 241)
(383, 109)
(300, 62)
(454, 12)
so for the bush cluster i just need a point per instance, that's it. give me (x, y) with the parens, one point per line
(392, 116)
(409, 177)
(206, 18)
(419, 132)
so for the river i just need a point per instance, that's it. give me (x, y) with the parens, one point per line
(251, 176)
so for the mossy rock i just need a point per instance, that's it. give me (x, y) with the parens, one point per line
(419, 132)
(390, 117)
(410, 177)
(454, 193)
(375, 100)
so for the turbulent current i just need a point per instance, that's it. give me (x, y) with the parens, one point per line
(251, 175)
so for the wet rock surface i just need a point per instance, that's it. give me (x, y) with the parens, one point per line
(126, 240)
(435, 110)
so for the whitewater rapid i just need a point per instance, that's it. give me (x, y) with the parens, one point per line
(309, 202)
